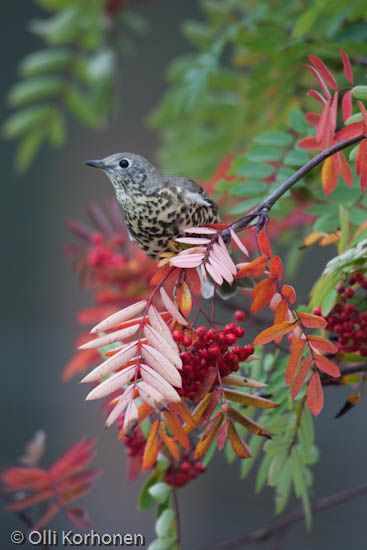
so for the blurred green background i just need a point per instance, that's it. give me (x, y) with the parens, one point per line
(40, 296)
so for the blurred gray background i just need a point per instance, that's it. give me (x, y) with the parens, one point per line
(40, 296)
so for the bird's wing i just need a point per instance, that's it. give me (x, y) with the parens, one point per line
(192, 190)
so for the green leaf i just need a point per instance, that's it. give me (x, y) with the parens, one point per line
(28, 149)
(163, 523)
(264, 154)
(306, 21)
(255, 444)
(249, 187)
(276, 467)
(61, 28)
(244, 206)
(328, 302)
(45, 61)
(262, 473)
(101, 66)
(297, 121)
(81, 108)
(283, 488)
(284, 174)
(41, 87)
(359, 92)
(160, 491)
(146, 500)
(161, 544)
(357, 117)
(278, 139)
(25, 120)
(326, 223)
(354, 152)
(296, 157)
(255, 170)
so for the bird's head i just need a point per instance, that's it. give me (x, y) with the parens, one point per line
(128, 173)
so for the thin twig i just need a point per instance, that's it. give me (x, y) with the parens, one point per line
(269, 202)
(177, 513)
(283, 523)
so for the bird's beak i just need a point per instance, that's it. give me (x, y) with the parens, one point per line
(96, 164)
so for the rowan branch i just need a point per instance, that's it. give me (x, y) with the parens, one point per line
(280, 526)
(265, 206)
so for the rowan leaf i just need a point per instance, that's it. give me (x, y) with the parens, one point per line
(315, 397)
(274, 332)
(289, 293)
(276, 267)
(151, 447)
(321, 344)
(324, 364)
(262, 294)
(297, 349)
(347, 67)
(208, 436)
(176, 428)
(301, 376)
(254, 269)
(222, 435)
(247, 423)
(264, 243)
(324, 71)
(169, 441)
(184, 298)
(249, 399)
(329, 176)
(120, 316)
(312, 321)
(238, 445)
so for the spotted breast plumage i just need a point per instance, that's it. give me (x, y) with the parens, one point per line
(157, 207)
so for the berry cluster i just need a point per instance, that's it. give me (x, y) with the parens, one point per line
(135, 445)
(185, 471)
(209, 349)
(102, 253)
(347, 320)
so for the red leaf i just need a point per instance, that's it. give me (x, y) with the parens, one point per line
(315, 397)
(324, 71)
(238, 445)
(297, 349)
(329, 177)
(276, 267)
(261, 294)
(208, 436)
(263, 243)
(334, 112)
(79, 363)
(312, 118)
(79, 518)
(176, 428)
(345, 169)
(316, 95)
(309, 143)
(289, 293)
(361, 165)
(347, 106)
(320, 80)
(281, 313)
(347, 67)
(301, 376)
(254, 269)
(21, 479)
(363, 110)
(348, 132)
(193, 280)
(222, 436)
(323, 122)
(327, 366)
(312, 321)
(74, 460)
(274, 332)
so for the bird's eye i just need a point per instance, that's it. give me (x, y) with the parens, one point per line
(124, 163)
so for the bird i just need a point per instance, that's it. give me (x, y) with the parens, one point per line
(157, 207)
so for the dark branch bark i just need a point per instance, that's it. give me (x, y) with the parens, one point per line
(281, 525)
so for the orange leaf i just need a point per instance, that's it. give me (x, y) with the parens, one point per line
(289, 293)
(313, 238)
(176, 428)
(264, 243)
(297, 349)
(208, 436)
(315, 397)
(151, 447)
(237, 444)
(183, 411)
(276, 267)
(32, 500)
(79, 363)
(345, 170)
(327, 366)
(193, 280)
(198, 412)
(254, 269)
(274, 332)
(262, 294)
(322, 345)
(281, 315)
(169, 441)
(184, 298)
(312, 321)
(329, 176)
(249, 399)
(48, 516)
(160, 274)
(301, 376)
